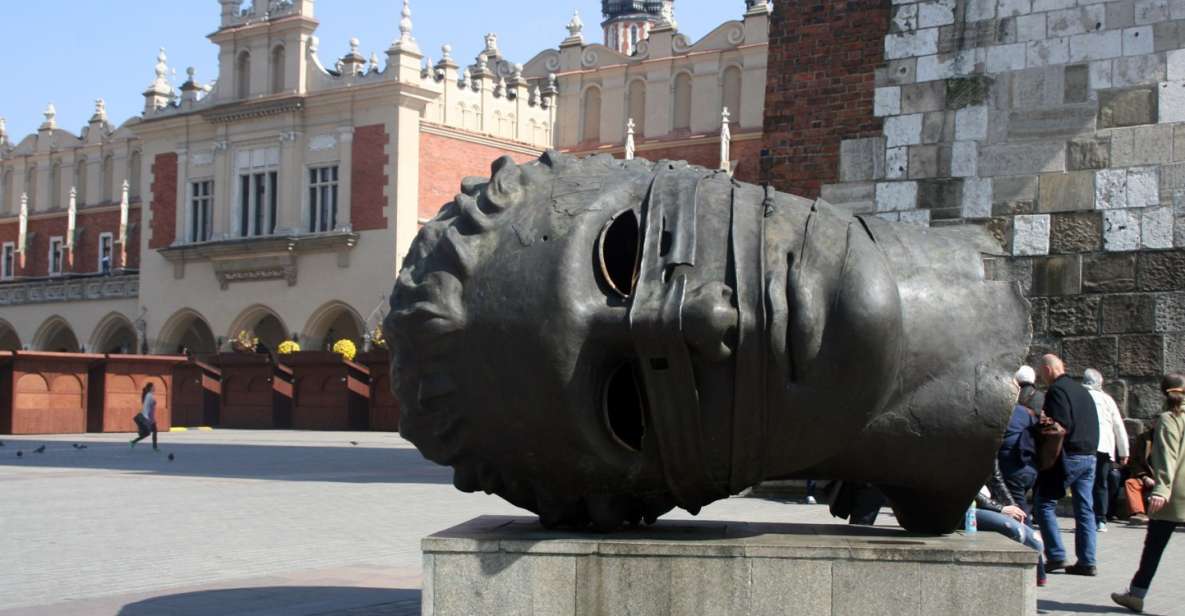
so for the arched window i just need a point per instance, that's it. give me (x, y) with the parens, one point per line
(682, 113)
(80, 180)
(731, 84)
(590, 129)
(109, 195)
(278, 67)
(134, 175)
(243, 73)
(637, 106)
(55, 185)
(633, 39)
(31, 186)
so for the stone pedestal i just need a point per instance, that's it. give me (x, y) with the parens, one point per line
(510, 565)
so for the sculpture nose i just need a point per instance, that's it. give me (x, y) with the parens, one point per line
(710, 320)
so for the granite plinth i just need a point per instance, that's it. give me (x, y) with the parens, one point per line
(511, 565)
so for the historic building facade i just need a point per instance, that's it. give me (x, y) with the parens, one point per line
(1059, 126)
(671, 91)
(277, 199)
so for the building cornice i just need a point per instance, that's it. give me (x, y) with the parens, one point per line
(478, 138)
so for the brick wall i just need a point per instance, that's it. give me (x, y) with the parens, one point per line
(1061, 129)
(445, 161)
(164, 201)
(368, 178)
(86, 249)
(823, 58)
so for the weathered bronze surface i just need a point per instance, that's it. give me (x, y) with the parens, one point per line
(600, 341)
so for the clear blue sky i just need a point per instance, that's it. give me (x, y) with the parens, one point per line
(71, 52)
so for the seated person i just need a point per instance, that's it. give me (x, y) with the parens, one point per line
(995, 511)
(1139, 485)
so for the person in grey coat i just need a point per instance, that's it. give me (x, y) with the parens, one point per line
(146, 418)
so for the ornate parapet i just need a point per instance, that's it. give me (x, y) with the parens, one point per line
(260, 258)
(74, 289)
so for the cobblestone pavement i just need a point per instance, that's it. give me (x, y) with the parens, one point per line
(303, 523)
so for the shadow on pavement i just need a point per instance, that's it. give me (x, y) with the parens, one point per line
(281, 600)
(346, 464)
(1046, 606)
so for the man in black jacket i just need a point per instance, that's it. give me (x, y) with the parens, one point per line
(1070, 405)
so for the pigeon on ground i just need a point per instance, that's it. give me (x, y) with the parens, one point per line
(1, 443)
(20, 453)
(82, 446)
(40, 449)
(353, 442)
(75, 445)
(171, 457)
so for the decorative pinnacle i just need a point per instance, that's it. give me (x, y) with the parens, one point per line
(576, 25)
(724, 116)
(446, 51)
(405, 23)
(162, 65)
(190, 73)
(354, 43)
(51, 114)
(100, 108)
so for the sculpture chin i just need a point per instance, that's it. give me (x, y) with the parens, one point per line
(599, 341)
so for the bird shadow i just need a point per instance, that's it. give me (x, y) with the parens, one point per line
(347, 464)
(288, 600)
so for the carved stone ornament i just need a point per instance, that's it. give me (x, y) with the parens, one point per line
(600, 341)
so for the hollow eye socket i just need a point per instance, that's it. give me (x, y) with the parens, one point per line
(619, 253)
(623, 406)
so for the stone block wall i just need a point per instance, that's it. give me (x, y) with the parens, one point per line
(1059, 125)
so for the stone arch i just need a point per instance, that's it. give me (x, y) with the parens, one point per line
(186, 329)
(114, 334)
(681, 101)
(243, 74)
(56, 335)
(278, 68)
(730, 91)
(263, 322)
(590, 119)
(332, 322)
(9, 340)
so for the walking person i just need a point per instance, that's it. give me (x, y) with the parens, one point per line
(1166, 507)
(1070, 405)
(1113, 445)
(146, 418)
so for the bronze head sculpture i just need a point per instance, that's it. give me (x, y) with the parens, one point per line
(599, 341)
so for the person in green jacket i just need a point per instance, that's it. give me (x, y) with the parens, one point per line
(1166, 507)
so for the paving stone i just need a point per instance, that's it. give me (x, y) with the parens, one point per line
(1127, 107)
(1170, 312)
(1064, 192)
(1161, 271)
(1074, 316)
(1128, 313)
(921, 97)
(1022, 158)
(1091, 153)
(1156, 228)
(1100, 353)
(1106, 273)
(1057, 275)
(1141, 355)
(1121, 230)
(1076, 233)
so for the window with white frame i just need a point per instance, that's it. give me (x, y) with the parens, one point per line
(322, 199)
(106, 252)
(201, 210)
(257, 201)
(57, 253)
(8, 261)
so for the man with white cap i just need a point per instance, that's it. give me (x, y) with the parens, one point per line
(1017, 455)
(1113, 445)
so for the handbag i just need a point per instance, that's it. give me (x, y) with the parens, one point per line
(1050, 436)
(142, 425)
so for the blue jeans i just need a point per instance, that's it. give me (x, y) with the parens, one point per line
(1076, 473)
(990, 521)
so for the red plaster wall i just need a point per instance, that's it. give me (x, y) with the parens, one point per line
(164, 201)
(820, 86)
(747, 155)
(444, 162)
(368, 178)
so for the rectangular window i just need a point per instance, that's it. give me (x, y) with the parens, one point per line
(201, 208)
(57, 249)
(259, 203)
(8, 261)
(106, 252)
(322, 199)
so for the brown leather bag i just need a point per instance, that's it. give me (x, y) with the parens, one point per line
(1050, 436)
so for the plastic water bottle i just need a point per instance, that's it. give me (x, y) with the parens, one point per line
(970, 526)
